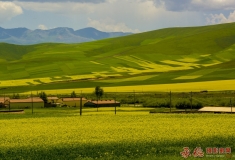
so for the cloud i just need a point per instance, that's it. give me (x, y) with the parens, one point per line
(58, 8)
(113, 15)
(110, 25)
(56, 1)
(42, 27)
(9, 10)
(109, 15)
(196, 5)
(221, 18)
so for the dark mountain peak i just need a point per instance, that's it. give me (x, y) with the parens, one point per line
(90, 29)
(16, 32)
(95, 34)
(59, 34)
(19, 28)
(61, 29)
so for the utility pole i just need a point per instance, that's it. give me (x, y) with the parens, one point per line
(4, 100)
(134, 98)
(115, 104)
(97, 104)
(81, 104)
(32, 101)
(170, 101)
(191, 101)
(231, 105)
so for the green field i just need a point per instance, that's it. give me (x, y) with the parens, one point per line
(153, 60)
(63, 134)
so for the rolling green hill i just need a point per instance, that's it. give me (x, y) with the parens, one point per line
(166, 56)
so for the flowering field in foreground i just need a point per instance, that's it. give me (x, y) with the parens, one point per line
(159, 136)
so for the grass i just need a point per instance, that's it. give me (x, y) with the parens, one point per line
(167, 56)
(63, 134)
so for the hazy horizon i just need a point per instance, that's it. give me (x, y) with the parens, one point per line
(114, 15)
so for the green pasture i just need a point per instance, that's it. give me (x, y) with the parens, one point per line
(167, 56)
(63, 134)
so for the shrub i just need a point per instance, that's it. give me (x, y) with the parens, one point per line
(197, 105)
(156, 104)
(187, 105)
(182, 105)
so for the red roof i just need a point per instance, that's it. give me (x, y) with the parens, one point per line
(2, 99)
(52, 98)
(73, 99)
(105, 102)
(34, 99)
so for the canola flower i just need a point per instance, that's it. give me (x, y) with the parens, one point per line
(112, 137)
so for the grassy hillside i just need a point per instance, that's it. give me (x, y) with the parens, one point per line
(166, 56)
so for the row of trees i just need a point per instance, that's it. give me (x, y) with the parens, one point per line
(98, 92)
(158, 99)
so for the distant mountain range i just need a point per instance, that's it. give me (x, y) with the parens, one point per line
(26, 36)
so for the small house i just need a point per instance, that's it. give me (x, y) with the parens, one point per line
(35, 102)
(74, 102)
(54, 100)
(102, 103)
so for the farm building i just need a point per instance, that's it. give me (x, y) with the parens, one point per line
(36, 102)
(217, 109)
(54, 100)
(102, 103)
(4, 101)
(73, 102)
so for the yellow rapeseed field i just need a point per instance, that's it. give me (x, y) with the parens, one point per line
(110, 136)
(176, 87)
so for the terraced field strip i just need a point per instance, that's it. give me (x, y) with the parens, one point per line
(176, 87)
(189, 77)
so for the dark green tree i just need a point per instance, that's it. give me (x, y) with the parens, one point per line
(16, 96)
(99, 92)
(43, 96)
(73, 94)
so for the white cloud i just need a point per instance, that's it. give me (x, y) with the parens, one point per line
(42, 1)
(196, 5)
(111, 15)
(42, 27)
(214, 4)
(110, 25)
(59, 7)
(101, 13)
(220, 18)
(9, 10)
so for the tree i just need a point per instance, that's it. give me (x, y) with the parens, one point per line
(43, 96)
(99, 92)
(73, 94)
(16, 96)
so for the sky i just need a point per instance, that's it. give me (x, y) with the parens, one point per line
(114, 15)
